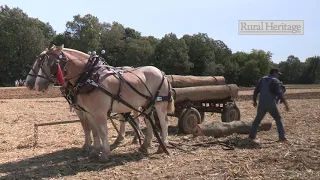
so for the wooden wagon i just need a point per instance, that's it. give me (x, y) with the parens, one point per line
(196, 95)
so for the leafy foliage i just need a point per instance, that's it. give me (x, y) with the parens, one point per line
(23, 37)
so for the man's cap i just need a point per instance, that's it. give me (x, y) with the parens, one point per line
(277, 70)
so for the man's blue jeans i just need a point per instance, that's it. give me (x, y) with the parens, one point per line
(261, 112)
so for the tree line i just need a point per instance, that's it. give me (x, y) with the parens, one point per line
(22, 38)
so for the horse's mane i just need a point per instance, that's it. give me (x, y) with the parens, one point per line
(74, 52)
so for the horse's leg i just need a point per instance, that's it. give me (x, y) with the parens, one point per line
(161, 108)
(96, 139)
(122, 130)
(102, 125)
(147, 141)
(137, 120)
(86, 128)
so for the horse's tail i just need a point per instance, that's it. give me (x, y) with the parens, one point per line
(170, 107)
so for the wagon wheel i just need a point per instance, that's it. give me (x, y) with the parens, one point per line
(188, 119)
(230, 112)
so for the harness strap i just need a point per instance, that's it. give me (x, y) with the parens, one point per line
(155, 129)
(134, 125)
(76, 106)
(169, 93)
(134, 89)
(142, 83)
(120, 85)
(38, 76)
(112, 99)
(115, 97)
(152, 102)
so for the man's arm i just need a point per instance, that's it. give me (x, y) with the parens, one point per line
(280, 93)
(278, 90)
(256, 91)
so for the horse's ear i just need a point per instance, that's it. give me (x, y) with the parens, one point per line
(52, 47)
(46, 49)
(60, 48)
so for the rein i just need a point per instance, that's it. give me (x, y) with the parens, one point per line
(46, 75)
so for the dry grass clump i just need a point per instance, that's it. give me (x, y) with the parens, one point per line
(59, 156)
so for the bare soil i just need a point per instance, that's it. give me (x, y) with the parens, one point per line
(59, 155)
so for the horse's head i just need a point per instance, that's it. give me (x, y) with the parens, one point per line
(31, 78)
(49, 70)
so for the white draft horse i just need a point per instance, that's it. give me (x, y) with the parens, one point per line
(30, 83)
(145, 87)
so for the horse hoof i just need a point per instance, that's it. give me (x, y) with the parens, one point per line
(135, 140)
(86, 148)
(160, 150)
(103, 158)
(113, 146)
(144, 150)
(119, 140)
(93, 154)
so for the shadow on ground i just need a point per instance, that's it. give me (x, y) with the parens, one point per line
(66, 162)
(245, 143)
(172, 131)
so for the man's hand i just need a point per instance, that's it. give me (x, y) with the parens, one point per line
(286, 105)
(255, 104)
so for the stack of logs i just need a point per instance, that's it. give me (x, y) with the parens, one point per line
(201, 88)
(206, 88)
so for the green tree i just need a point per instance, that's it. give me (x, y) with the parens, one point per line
(171, 55)
(21, 39)
(292, 70)
(222, 52)
(312, 70)
(113, 41)
(137, 52)
(201, 53)
(263, 60)
(250, 73)
(85, 32)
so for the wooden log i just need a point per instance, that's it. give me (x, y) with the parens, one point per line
(205, 93)
(220, 129)
(178, 81)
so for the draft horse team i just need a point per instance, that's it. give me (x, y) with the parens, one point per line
(97, 90)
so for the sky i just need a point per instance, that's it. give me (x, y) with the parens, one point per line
(219, 19)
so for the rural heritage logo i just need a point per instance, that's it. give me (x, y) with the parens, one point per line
(271, 27)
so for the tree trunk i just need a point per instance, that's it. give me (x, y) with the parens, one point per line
(220, 129)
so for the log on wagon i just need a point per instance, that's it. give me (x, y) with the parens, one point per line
(179, 81)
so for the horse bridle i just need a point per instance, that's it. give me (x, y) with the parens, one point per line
(60, 60)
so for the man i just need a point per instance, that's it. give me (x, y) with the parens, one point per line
(270, 89)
